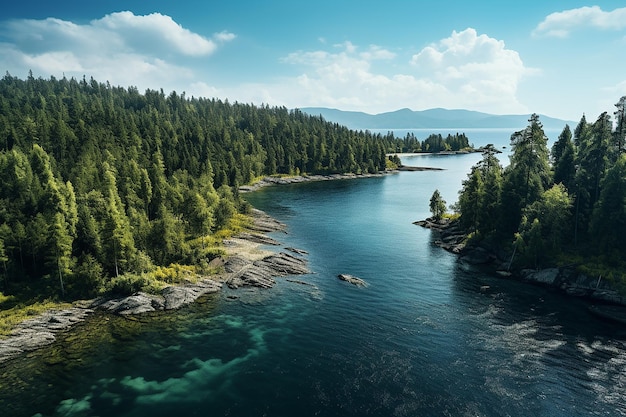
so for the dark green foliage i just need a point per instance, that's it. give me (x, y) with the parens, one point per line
(437, 205)
(528, 174)
(563, 155)
(479, 198)
(619, 141)
(576, 206)
(99, 181)
(433, 143)
(608, 223)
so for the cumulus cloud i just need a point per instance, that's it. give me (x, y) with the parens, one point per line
(475, 67)
(155, 29)
(124, 48)
(465, 70)
(561, 24)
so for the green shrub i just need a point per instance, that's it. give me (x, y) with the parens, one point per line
(126, 284)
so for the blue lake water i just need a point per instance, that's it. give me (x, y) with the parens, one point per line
(421, 340)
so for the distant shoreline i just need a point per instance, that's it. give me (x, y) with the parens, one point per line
(297, 179)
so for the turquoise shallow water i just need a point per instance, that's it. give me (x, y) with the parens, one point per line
(420, 340)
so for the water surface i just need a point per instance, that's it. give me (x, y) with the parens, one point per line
(421, 340)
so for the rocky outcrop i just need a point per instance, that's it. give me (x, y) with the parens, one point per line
(307, 178)
(137, 303)
(176, 297)
(243, 270)
(543, 276)
(171, 298)
(575, 284)
(567, 279)
(261, 273)
(450, 236)
(352, 280)
(265, 224)
(477, 256)
(40, 331)
(258, 238)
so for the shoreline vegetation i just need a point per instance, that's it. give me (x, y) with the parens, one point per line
(553, 217)
(609, 302)
(297, 179)
(244, 264)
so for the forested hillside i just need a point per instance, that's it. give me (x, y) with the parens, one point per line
(98, 182)
(566, 206)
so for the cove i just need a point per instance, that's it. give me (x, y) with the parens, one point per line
(421, 339)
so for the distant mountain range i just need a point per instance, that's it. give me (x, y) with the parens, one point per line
(432, 119)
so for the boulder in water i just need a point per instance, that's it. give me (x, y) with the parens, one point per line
(352, 280)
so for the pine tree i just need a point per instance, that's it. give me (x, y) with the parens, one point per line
(608, 223)
(437, 205)
(563, 159)
(528, 174)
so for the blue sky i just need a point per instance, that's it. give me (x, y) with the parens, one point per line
(560, 58)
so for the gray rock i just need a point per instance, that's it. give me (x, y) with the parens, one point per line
(352, 280)
(40, 331)
(545, 276)
(258, 238)
(477, 256)
(134, 304)
(298, 251)
(262, 272)
(264, 223)
(176, 297)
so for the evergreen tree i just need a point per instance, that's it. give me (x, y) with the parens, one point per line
(563, 159)
(619, 140)
(437, 205)
(490, 197)
(608, 223)
(528, 174)
(471, 198)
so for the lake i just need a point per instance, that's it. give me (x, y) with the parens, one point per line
(422, 339)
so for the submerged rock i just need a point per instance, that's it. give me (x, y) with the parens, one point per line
(352, 280)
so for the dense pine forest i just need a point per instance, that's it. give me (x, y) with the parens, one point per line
(561, 206)
(101, 185)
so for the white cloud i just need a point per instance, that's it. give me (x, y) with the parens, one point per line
(560, 24)
(123, 48)
(224, 36)
(155, 29)
(376, 52)
(464, 70)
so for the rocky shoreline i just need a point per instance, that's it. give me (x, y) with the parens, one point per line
(267, 181)
(565, 279)
(245, 265)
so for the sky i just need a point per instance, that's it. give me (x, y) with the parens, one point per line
(558, 58)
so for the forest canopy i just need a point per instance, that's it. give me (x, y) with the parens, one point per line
(98, 182)
(566, 204)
